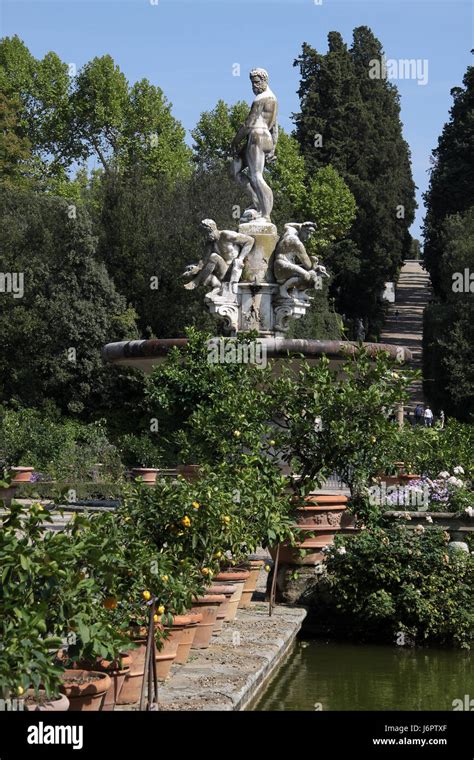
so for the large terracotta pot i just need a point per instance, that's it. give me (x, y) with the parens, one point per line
(22, 474)
(167, 649)
(253, 566)
(146, 474)
(208, 606)
(222, 612)
(85, 689)
(321, 517)
(233, 577)
(132, 684)
(117, 676)
(187, 636)
(44, 704)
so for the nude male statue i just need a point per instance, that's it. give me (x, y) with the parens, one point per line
(260, 133)
(224, 258)
(293, 267)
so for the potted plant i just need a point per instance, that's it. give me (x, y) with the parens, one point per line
(142, 455)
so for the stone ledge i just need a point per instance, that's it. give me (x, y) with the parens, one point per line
(229, 676)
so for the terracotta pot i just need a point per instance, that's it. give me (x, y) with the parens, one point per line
(187, 625)
(117, 676)
(167, 649)
(132, 684)
(146, 474)
(22, 474)
(228, 592)
(253, 566)
(208, 606)
(88, 695)
(321, 517)
(189, 472)
(45, 704)
(233, 577)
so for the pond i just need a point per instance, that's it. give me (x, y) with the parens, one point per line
(338, 676)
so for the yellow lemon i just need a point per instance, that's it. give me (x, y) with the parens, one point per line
(164, 578)
(272, 442)
(147, 596)
(195, 505)
(267, 568)
(20, 691)
(236, 433)
(226, 519)
(156, 618)
(218, 555)
(161, 610)
(186, 522)
(205, 571)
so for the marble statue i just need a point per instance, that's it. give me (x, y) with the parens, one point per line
(254, 145)
(293, 267)
(223, 259)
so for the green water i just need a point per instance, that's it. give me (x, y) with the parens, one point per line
(335, 676)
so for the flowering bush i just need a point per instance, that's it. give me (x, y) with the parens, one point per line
(446, 493)
(395, 580)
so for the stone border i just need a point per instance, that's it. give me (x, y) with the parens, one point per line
(235, 669)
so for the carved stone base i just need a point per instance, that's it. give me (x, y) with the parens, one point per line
(249, 306)
(259, 265)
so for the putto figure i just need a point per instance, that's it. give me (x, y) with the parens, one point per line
(293, 267)
(223, 260)
(254, 145)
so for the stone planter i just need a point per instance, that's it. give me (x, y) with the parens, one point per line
(458, 526)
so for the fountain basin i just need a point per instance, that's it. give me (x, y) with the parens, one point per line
(144, 354)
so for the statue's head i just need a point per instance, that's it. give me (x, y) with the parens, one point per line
(209, 228)
(307, 230)
(259, 79)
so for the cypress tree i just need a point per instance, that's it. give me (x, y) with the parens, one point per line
(352, 121)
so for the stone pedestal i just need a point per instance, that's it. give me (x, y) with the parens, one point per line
(258, 266)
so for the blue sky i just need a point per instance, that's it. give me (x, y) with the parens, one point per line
(188, 48)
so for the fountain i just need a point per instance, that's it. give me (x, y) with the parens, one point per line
(255, 279)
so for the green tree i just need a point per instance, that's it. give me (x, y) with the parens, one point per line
(15, 149)
(352, 121)
(451, 188)
(127, 126)
(42, 90)
(59, 307)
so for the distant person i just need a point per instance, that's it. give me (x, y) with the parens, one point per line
(419, 414)
(441, 419)
(428, 415)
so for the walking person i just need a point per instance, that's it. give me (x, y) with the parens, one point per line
(418, 414)
(428, 415)
(441, 419)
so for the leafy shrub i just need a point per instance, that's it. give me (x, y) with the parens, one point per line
(388, 581)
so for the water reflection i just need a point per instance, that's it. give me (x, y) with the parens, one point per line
(362, 677)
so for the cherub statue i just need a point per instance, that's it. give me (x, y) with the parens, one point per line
(293, 267)
(223, 260)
